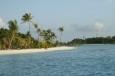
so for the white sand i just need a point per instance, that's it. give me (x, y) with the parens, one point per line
(4, 52)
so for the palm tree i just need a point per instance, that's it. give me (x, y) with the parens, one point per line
(38, 30)
(27, 18)
(13, 27)
(61, 29)
(24, 40)
(4, 38)
(48, 35)
(43, 34)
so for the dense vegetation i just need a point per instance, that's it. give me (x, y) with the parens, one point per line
(94, 40)
(11, 38)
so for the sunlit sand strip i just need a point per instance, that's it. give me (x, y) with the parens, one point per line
(22, 51)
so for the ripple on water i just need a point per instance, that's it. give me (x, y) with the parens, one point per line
(87, 60)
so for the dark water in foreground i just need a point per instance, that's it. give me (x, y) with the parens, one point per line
(86, 60)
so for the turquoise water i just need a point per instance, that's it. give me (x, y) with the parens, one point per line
(86, 60)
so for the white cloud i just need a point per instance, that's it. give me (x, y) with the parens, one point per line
(2, 23)
(109, 1)
(82, 28)
(98, 25)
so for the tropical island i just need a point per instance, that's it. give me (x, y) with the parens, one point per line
(11, 38)
(57, 38)
(13, 42)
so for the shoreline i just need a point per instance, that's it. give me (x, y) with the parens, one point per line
(24, 51)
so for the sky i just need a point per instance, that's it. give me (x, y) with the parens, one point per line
(80, 18)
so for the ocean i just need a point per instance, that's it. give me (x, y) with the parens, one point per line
(85, 60)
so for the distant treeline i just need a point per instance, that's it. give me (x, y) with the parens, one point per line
(94, 40)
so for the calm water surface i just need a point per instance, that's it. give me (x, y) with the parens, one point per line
(86, 60)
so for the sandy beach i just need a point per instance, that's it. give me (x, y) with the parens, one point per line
(22, 51)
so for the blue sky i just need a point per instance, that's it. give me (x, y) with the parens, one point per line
(79, 17)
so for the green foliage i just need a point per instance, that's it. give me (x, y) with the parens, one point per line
(13, 28)
(13, 25)
(11, 38)
(48, 35)
(26, 17)
(60, 29)
(94, 40)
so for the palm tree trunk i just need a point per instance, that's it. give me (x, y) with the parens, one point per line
(60, 36)
(38, 41)
(29, 27)
(29, 35)
(11, 41)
